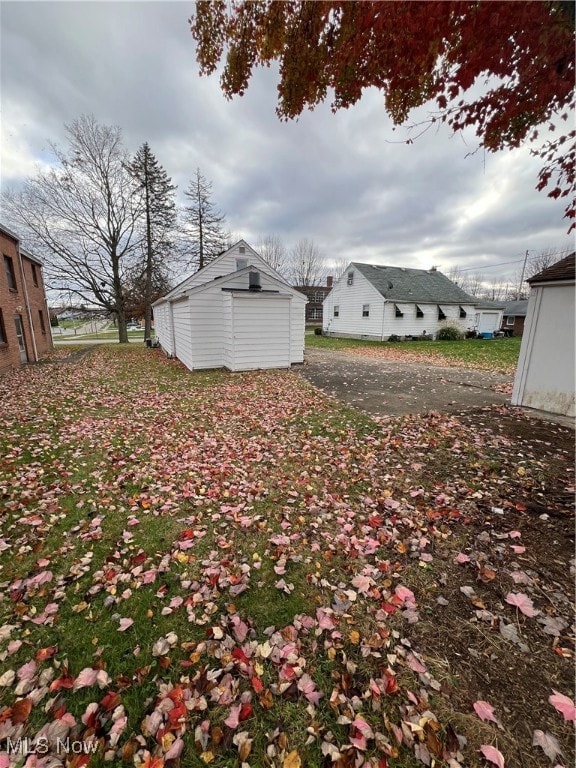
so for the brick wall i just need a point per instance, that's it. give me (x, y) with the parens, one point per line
(17, 305)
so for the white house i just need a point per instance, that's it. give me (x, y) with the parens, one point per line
(236, 313)
(375, 302)
(545, 373)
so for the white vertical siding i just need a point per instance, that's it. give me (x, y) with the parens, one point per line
(545, 377)
(297, 330)
(228, 332)
(207, 328)
(183, 348)
(350, 299)
(261, 331)
(163, 326)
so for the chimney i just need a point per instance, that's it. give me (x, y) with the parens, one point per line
(254, 281)
(329, 281)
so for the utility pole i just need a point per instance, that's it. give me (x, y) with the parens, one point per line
(522, 276)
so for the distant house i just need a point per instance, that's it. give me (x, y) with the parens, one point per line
(514, 317)
(370, 301)
(315, 295)
(237, 313)
(24, 322)
(545, 374)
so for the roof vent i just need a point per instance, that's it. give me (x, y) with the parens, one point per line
(241, 249)
(254, 281)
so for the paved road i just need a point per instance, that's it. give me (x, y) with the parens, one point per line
(393, 388)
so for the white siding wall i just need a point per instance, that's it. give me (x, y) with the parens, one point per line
(227, 264)
(261, 331)
(410, 325)
(350, 299)
(207, 328)
(297, 330)
(545, 376)
(228, 332)
(182, 332)
(163, 326)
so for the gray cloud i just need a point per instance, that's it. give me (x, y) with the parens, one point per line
(345, 180)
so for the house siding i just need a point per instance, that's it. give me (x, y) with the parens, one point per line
(25, 302)
(163, 327)
(410, 325)
(207, 329)
(350, 299)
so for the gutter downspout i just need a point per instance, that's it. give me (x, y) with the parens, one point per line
(27, 302)
(383, 319)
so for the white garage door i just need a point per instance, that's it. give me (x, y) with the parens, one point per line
(260, 331)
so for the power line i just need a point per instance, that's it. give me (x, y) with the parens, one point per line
(494, 266)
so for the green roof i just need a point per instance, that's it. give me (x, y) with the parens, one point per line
(414, 285)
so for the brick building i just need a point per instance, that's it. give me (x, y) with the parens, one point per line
(25, 334)
(316, 295)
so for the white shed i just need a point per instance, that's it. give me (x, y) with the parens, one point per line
(237, 313)
(545, 374)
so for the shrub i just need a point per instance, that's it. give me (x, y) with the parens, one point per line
(449, 333)
(394, 337)
(318, 331)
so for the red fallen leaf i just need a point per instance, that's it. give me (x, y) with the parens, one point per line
(257, 684)
(138, 559)
(389, 608)
(375, 522)
(391, 684)
(46, 653)
(186, 535)
(245, 711)
(239, 654)
(21, 710)
(64, 681)
(110, 574)
(110, 701)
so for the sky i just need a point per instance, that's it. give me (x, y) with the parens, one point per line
(346, 181)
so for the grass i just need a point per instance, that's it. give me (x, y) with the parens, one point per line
(495, 354)
(226, 509)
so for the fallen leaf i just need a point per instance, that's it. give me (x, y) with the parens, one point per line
(493, 755)
(563, 704)
(547, 742)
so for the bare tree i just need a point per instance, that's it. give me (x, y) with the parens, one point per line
(543, 260)
(473, 284)
(82, 215)
(274, 253)
(308, 266)
(203, 223)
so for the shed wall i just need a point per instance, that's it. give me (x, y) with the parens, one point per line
(545, 376)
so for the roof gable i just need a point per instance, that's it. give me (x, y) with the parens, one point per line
(413, 285)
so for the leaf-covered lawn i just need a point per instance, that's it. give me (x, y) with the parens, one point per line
(484, 354)
(227, 569)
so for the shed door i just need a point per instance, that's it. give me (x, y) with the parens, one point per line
(260, 331)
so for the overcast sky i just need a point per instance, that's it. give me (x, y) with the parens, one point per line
(345, 180)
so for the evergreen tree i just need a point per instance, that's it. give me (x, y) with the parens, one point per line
(204, 223)
(160, 213)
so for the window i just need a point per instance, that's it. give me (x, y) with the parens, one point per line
(34, 275)
(441, 315)
(3, 337)
(336, 311)
(315, 314)
(365, 310)
(10, 274)
(318, 297)
(241, 263)
(397, 311)
(462, 312)
(241, 249)
(510, 320)
(350, 279)
(419, 312)
(41, 318)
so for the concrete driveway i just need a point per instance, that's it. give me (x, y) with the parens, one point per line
(392, 388)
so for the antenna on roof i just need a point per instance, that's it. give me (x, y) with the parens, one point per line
(433, 269)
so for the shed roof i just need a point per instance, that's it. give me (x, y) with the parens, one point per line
(562, 270)
(414, 285)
